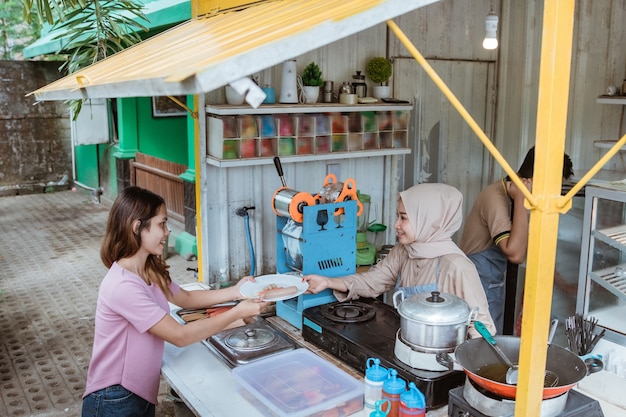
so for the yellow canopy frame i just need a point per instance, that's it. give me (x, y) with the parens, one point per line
(545, 202)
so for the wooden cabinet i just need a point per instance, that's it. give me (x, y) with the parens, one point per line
(240, 135)
(602, 273)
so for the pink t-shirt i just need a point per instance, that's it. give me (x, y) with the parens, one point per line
(124, 352)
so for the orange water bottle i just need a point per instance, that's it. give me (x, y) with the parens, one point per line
(392, 388)
(412, 402)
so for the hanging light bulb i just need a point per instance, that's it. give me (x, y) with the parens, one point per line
(491, 31)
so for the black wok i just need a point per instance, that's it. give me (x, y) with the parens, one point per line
(485, 368)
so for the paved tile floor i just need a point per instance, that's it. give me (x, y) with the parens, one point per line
(50, 271)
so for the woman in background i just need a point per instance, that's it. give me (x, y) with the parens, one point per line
(425, 257)
(132, 313)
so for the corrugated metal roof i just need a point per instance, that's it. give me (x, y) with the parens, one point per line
(208, 52)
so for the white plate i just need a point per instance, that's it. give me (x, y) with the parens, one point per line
(251, 289)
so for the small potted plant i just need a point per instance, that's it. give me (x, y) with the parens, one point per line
(379, 70)
(311, 82)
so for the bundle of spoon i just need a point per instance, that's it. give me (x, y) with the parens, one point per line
(581, 335)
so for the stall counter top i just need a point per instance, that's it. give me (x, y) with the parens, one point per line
(207, 387)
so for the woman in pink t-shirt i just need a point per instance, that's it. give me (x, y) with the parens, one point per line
(132, 313)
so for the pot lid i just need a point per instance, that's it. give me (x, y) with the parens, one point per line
(250, 339)
(435, 308)
(245, 344)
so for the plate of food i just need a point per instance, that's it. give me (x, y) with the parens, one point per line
(274, 287)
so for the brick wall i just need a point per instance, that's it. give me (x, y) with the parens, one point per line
(35, 140)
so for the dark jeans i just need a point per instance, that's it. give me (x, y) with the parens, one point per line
(116, 401)
(491, 266)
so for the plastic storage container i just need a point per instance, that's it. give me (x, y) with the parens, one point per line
(298, 383)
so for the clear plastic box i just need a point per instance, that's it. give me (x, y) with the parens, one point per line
(299, 383)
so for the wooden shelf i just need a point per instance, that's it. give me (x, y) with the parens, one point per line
(243, 136)
(228, 110)
(231, 163)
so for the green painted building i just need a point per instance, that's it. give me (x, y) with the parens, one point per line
(157, 130)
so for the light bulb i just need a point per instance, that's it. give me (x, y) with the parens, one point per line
(490, 43)
(491, 31)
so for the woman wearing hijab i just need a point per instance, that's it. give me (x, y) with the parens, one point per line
(425, 258)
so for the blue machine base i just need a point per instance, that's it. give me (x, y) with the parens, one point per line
(327, 246)
(291, 310)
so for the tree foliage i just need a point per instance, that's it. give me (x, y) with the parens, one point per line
(99, 29)
(91, 29)
(15, 32)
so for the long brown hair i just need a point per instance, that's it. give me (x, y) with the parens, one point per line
(120, 241)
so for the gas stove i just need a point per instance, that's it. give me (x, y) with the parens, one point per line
(357, 330)
(473, 401)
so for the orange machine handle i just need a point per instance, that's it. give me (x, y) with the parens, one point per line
(349, 193)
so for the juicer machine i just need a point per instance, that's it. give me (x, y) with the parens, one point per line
(314, 236)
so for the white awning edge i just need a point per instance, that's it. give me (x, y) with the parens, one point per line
(160, 67)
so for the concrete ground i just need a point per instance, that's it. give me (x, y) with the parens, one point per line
(50, 270)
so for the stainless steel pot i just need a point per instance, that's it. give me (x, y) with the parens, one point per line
(433, 322)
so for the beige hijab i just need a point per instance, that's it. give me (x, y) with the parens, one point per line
(435, 211)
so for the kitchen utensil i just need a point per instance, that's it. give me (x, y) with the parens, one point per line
(373, 335)
(358, 85)
(550, 379)
(249, 343)
(233, 97)
(279, 169)
(345, 88)
(433, 322)
(289, 83)
(327, 92)
(512, 371)
(580, 334)
(479, 364)
(345, 98)
(270, 96)
(251, 289)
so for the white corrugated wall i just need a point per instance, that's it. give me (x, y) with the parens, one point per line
(499, 89)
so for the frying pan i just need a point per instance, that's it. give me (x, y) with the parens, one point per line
(484, 367)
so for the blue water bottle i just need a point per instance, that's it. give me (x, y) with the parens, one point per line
(412, 402)
(375, 375)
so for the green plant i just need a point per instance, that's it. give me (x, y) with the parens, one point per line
(312, 75)
(90, 30)
(379, 70)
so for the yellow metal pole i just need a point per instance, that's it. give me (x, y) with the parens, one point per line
(198, 161)
(554, 76)
(545, 202)
(593, 171)
(195, 7)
